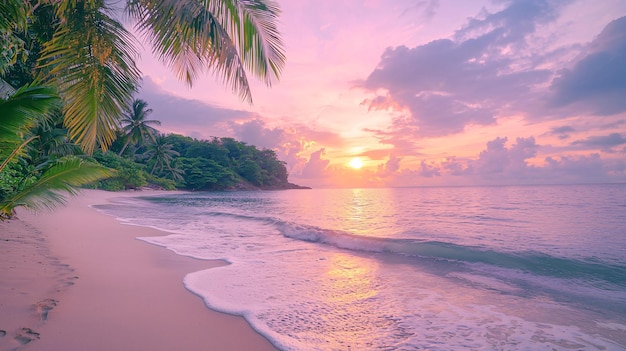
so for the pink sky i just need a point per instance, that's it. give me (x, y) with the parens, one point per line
(429, 92)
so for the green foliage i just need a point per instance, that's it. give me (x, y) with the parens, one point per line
(163, 183)
(160, 153)
(135, 125)
(64, 175)
(12, 21)
(129, 175)
(87, 54)
(35, 171)
(205, 174)
(89, 57)
(225, 163)
(15, 178)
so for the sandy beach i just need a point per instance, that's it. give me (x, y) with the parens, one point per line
(76, 279)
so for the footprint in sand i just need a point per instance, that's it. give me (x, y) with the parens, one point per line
(26, 335)
(44, 306)
(3, 333)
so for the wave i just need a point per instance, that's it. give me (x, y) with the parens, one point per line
(532, 262)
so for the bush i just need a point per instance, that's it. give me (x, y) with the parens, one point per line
(165, 184)
(130, 175)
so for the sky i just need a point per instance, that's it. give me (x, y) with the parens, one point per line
(426, 93)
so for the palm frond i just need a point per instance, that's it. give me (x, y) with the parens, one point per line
(16, 151)
(63, 177)
(92, 60)
(13, 15)
(191, 35)
(21, 110)
(252, 24)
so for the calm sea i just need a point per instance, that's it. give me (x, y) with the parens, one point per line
(476, 268)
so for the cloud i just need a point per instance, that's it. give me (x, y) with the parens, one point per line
(426, 8)
(376, 154)
(428, 170)
(597, 81)
(455, 167)
(498, 160)
(502, 163)
(404, 142)
(255, 132)
(316, 166)
(562, 132)
(288, 141)
(606, 143)
(190, 117)
(513, 23)
(202, 121)
(388, 168)
(445, 85)
(585, 169)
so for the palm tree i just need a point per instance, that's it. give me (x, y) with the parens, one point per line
(136, 126)
(91, 56)
(20, 112)
(52, 140)
(162, 154)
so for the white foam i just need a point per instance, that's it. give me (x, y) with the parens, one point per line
(307, 296)
(490, 283)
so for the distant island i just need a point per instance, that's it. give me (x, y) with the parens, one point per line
(175, 161)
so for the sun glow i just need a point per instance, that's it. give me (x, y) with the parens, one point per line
(356, 163)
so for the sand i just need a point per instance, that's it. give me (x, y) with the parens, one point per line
(76, 279)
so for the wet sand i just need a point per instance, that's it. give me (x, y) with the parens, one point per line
(76, 279)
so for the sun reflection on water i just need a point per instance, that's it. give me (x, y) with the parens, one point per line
(352, 278)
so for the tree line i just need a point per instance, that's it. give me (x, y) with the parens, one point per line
(68, 73)
(144, 157)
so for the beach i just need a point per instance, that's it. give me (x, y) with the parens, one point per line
(77, 279)
(472, 268)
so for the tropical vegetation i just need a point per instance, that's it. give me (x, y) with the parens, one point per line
(135, 124)
(73, 64)
(179, 162)
(36, 161)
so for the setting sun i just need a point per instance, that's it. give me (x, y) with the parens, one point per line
(356, 163)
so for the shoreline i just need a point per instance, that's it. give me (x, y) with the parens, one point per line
(104, 289)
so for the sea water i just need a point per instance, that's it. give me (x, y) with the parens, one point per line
(451, 268)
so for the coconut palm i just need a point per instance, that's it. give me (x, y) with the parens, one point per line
(20, 112)
(135, 124)
(161, 152)
(91, 56)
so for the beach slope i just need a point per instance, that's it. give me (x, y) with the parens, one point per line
(77, 279)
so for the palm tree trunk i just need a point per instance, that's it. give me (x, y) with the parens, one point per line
(153, 167)
(124, 148)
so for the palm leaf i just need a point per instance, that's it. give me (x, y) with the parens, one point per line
(91, 60)
(190, 36)
(16, 151)
(23, 109)
(64, 176)
(19, 113)
(252, 23)
(13, 15)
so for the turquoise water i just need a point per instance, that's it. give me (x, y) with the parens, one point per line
(481, 268)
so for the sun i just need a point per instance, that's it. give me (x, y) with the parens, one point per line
(356, 163)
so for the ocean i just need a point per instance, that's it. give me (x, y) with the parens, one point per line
(448, 268)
